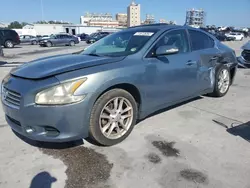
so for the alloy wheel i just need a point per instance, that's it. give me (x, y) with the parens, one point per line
(223, 82)
(116, 118)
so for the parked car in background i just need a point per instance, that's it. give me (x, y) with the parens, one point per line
(83, 36)
(59, 40)
(237, 36)
(101, 92)
(9, 38)
(42, 37)
(223, 37)
(96, 37)
(244, 59)
(28, 39)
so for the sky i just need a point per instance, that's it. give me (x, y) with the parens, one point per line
(219, 12)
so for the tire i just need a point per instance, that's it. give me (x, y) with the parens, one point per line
(218, 90)
(95, 132)
(241, 39)
(48, 44)
(34, 42)
(8, 44)
(72, 43)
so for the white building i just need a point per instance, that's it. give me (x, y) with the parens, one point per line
(134, 14)
(3, 25)
(95, 19)
(45, 29)
(78, 29)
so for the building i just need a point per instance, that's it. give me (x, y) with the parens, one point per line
(3, 25)
(163, 21)
(98, 20)
(150, 19)
(122, 19)
(195, 18)
(134, 14)
(44, 29)
(79, 29)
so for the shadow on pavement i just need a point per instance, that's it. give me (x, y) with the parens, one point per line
(42, 180)
(242, 130)
(49, 145)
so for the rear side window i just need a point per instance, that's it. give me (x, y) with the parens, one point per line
(200, 40)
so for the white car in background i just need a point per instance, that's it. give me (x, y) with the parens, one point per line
(237, 36)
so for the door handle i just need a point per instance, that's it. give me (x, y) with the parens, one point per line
(190, 63)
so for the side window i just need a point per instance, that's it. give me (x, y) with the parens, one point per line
(200, 41)
(27, 37)
(177, 38)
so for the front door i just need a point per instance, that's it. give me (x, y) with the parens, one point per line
(172, 77)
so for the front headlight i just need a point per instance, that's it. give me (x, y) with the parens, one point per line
(44, 40)
(60, 94)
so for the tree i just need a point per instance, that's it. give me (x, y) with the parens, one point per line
(15, 25)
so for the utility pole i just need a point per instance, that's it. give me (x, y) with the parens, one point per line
(42, 10)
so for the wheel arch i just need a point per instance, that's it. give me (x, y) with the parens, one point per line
(131, 88)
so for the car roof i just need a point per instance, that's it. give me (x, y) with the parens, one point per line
(161, 26)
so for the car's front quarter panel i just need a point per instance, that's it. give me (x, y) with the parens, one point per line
(100, 78)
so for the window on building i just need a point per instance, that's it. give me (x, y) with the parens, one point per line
(200, 40)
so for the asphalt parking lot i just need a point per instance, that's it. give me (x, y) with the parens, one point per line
(201, 143)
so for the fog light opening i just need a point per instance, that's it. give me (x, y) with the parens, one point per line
(29, 130)
(51, 131)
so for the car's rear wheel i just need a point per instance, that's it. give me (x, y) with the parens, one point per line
(113, 117)
(48, 44)
(72, 43)
(222, 81)
(8, 44)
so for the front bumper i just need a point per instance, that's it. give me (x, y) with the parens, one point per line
(46, 123)
(242, 62)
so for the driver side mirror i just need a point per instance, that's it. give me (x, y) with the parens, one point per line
(166, 50)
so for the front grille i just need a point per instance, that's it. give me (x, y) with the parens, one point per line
(11, 97)
(14, 121)
(246, 55)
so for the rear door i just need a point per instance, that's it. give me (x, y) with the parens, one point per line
(206, 55)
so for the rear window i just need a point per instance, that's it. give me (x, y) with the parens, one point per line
(8, 32)
(200, 40)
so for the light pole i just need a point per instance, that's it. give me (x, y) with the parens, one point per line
(42, 10)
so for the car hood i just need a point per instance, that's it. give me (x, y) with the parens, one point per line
(50, 66)
(246, 46)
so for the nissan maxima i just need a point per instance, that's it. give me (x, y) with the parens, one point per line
(103, 91)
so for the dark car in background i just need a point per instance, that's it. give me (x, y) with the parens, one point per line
(244, 59)
(96, 37)
(102, 92)
(9, 38)
(59, 40)
(83, 36)
(29, 39)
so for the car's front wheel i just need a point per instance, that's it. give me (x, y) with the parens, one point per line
(222, 81)
(72, 43)
(113, 117)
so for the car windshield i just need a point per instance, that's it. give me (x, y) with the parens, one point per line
(122, 43)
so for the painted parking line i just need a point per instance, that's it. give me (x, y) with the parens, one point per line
(11, 64)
